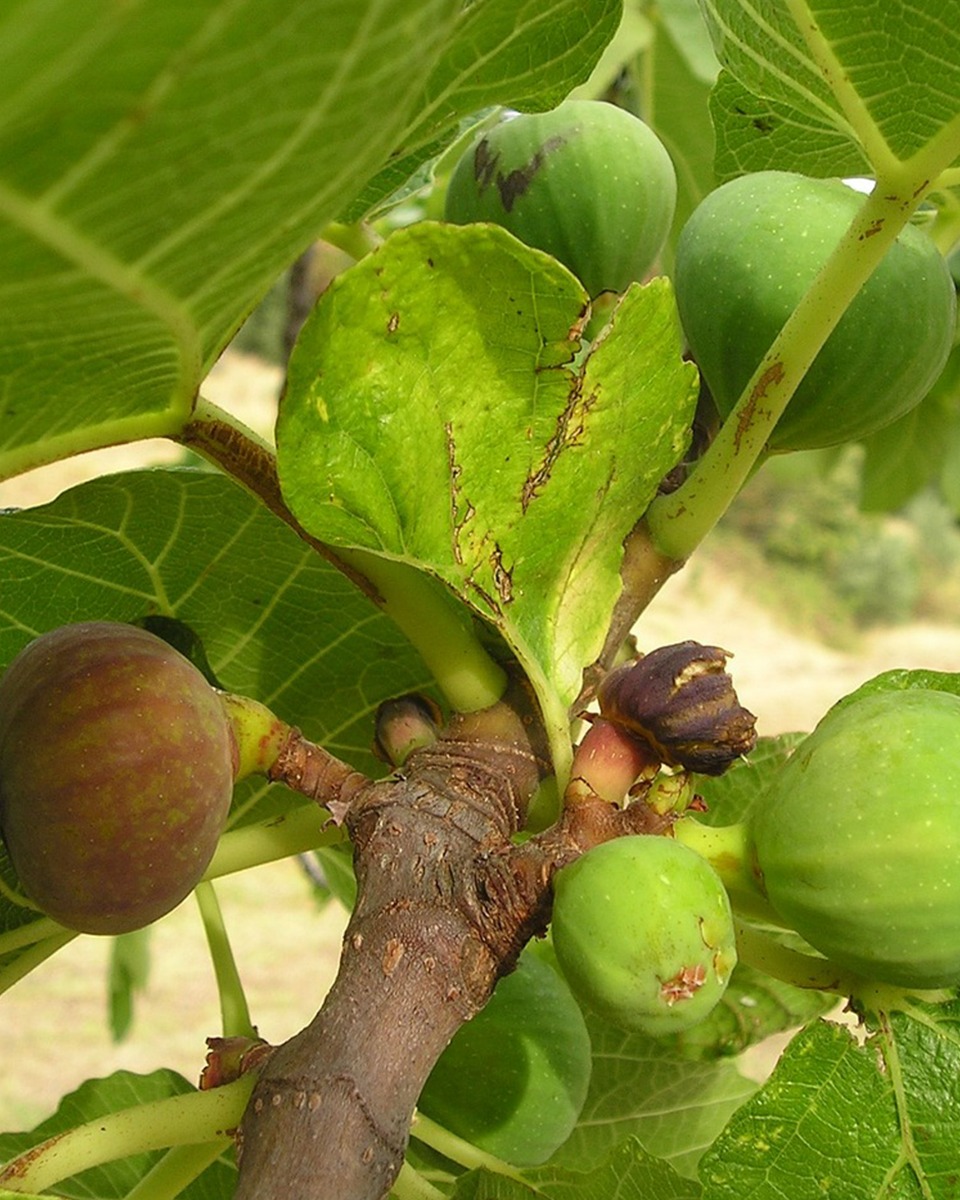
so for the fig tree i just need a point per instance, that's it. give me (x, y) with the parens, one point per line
(117, 764)
(857, 841)
(587, 182)
(744, 259)
(643, 931)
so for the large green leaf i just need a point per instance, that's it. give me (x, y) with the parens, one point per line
(850, 1121)
(164, 160)
(434, 415)
(161, 163)
(526, 53)
(641, 1088)
(277, 622)
(628, 1174)
(833, 88)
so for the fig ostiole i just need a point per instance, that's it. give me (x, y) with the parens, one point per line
(643, 931)
(744, 259)
(587, 182)
(117, 765)
(857, 840)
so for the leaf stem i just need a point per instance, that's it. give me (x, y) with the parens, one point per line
(764, 953)
(294, 832)
(12, 972)
(411, 1185)
(458, 1149)
(438, 626)
(178, 1168)
(234, 1010)
(187, 1119)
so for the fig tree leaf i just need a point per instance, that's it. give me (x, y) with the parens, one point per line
(899, 679)
(678, 78)
(527, 55)
(823, 88)
(434, 414)
(628, 1174)
(98, 1098)
(752, 132)
(853, 1121)
(729, 797)
(641, 1088)
(163, 164)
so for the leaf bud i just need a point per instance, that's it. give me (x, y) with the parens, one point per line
(405, 724)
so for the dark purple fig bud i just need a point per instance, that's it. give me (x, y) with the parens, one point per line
(680, 700)
(117, 764)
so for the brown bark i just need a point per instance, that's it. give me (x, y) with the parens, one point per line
(446, 902)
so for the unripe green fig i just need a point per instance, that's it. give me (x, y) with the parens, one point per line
(117, 765)
(643, 931)
(857, 841)
(587, 182)
(514, 1079)
(747, 255)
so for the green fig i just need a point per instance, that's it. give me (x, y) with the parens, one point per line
(643, 932)
(587, 182)
(857, 840)
(745, 258)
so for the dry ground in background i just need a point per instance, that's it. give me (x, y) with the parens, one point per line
(54, 1020)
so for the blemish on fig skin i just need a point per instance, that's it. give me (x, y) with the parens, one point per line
(515, 184)
(684, 985)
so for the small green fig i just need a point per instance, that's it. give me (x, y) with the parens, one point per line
(643, 932)
(117, 764)
(745, 258)
(857, 840)
(514, 1079)
(587, 182)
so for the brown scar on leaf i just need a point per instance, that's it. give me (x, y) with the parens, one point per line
(502, 578)
(575, 332)
(569, 432)
(458, 520)
(485, 596)
(393, 323)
